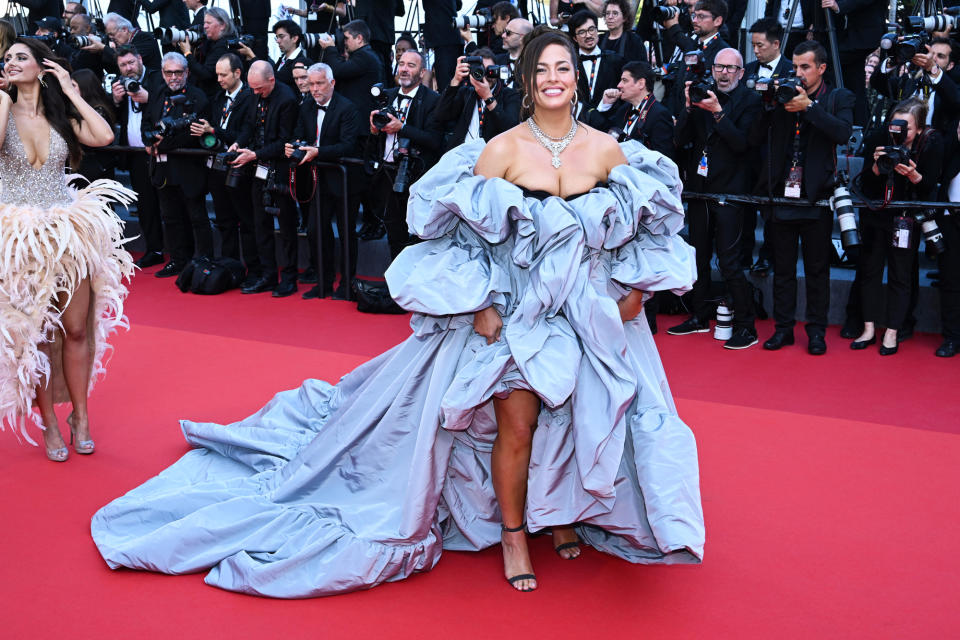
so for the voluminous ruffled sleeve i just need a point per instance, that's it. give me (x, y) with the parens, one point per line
(464, 220)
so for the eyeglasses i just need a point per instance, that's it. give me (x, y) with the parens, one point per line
(507, 32)
(592, 31)
(174, 72)
(702, 16)
(729, 68)
(280, 36)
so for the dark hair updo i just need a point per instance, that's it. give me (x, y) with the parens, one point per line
(534, 43)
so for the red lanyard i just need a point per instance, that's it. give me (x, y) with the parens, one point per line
(640, 113)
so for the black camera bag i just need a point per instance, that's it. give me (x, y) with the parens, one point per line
(374, 297)
(208, 277)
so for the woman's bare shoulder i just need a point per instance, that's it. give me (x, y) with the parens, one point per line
(604, 148)
(497, 155)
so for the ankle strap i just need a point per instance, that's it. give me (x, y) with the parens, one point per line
(514, 530)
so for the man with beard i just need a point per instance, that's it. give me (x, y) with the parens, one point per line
(717, 126)
(707, 17)
(217, 28)
(513, 43)
(413, 105)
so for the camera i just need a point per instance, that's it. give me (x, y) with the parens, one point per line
(299, 153)
(221, 161)
(663, 12)
(404, 152)
(842, 204)
(384, 110)
(171, 125)
(933, 238)
(896, 153)
(480, 19)
(697, 72)
(79, 42)
(50, 39)
(172, 35)
(901, 48)
(916, 24)
(129, 84)
(233, 44)
(787, 89)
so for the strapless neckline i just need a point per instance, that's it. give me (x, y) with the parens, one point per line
(540, 194)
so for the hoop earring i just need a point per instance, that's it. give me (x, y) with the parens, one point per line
(574, 101)
(43, 82)
(523, 103)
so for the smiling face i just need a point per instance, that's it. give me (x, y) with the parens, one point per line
(409, 70)
(556, 79)
(20, 65)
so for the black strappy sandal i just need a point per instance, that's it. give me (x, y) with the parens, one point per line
(523, 576)
(568, 545)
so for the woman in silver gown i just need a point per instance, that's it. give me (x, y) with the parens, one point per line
(61, 256)
(530, 393)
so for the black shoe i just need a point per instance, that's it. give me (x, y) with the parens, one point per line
(285, 289)
(816, 345)
(690, 325)
(741, 339)
(309, 276)
(904, 334)
(169, 270)
(889, 351)
(149, 259)
(780, 338)
(860, 345)
(260, 285)
(249, 281)
(761, 267)
(316, 291)
(948, 349)
(371, 232)
(850, 332)
(340, 293)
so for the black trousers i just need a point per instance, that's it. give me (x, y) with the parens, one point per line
(949, 265)
(712, 224)
(264, 231)
(750, 218)
(815, 238)
(878, 251)
(851, 65)
(445, 64)
(233, 217)
(148, 210)
(186, 226)
(330, 208)
(393, 208)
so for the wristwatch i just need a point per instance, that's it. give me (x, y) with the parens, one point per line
(489, 101)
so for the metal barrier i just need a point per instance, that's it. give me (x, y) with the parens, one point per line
(803, 202)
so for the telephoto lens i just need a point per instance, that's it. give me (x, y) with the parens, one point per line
(932, 237)
(474, 22)
(842, 204)
(724, 329)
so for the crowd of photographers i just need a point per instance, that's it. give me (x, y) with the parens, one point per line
(269, 135)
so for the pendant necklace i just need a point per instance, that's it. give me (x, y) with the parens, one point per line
(554, 145)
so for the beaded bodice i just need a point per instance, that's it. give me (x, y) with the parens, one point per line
(21, 184)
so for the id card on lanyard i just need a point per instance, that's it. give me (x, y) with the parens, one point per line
(791, 188)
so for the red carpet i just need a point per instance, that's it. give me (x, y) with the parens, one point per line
(829, 488)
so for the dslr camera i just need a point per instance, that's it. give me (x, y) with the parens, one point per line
(405, 152)
(234, 44)
(172, 35)
(478, 20)
(172, 125)
(701, 79)
(774, 91)
(494, 72)
(299, 153)
(663, 12)
(384, 109)
(221, 162)
(911, 35)
(129, 84)
(895, 153)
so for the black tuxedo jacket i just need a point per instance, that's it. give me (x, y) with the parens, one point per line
(503, 59)
(203, 64)
(728, 150)
(608, 76)
(422, 130)
(125, 8)
(240, 118)
(812, 17)
(281, 116)
(355, 75)
(628, 46)
(860, 24)
(830, 122)
(655, 132)
(457, 106)
(675, 37)
(186, 172)
(784, 68)
(198, 17)
(173, 13)
(339, 137)
(285, 73)
(946, 98)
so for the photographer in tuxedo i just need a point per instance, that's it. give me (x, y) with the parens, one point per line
(707, 17)
(801, 138)
(470, 108)
(328, 128)
(130, 107)
(599, 70)
(717, 127)
(407, 118)
(289, 39)
(217, 28)
(633, 112)
(230, 112)
(513, 37)
(181, 181)
(260, 145)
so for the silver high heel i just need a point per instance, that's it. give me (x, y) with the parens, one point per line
(83, 447)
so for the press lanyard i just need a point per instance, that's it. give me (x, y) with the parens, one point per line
(167, 105)
(227, 110)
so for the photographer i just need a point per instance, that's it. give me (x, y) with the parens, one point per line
(130, 110)
(173, 13)
(406, 117)
(289, 39)
(261, 144)
(328, 128)
(892, 237)
(717, 127)
(599, 70)
(181, 181)
(491, 35)
(120, 31)
(632, 110)
(217, 28)
(619, 38)
(707, 17)
(561, 10)
(230, 189)
(81, 25)
(475, 107)
(859, 25)
(801, 138)
(359, 69)
(513, 37)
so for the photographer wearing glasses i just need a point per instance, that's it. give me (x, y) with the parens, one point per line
(707, 17)
(513, 37)
(716, 126)
(217, 28)
(801, 127)
(288, 35)
(120, 31)
(599, 70)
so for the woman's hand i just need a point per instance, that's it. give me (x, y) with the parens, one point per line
(62, 76)
(631, 305)
(488, 324)
(909, 171)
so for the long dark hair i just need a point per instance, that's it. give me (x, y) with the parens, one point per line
(91, 90)
(57, 109)
(534, 43)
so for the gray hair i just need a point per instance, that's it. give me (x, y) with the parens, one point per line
(176, 57)
(223, 18)
(320, 67)
(118, 20)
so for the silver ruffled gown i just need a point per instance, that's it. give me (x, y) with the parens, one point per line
(329, 489)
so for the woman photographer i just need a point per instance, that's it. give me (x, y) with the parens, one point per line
(891, 237)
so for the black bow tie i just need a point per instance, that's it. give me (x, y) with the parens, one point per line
(767, 66)
(322, 107)
(585, 58)
(400, 96)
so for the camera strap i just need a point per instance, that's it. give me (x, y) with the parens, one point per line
(168, 103)
(292, 184)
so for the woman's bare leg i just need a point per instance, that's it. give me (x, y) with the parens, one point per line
(76, 359)
(52, 439)
(516, 420)
(563, 535)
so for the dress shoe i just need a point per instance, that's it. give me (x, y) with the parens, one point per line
(948, 349)
(889, 351)
(860, 345)
(249, 281)
(816, 345)
(316, 291)
(371, 232)
(904, 334)
(761, 267)
(851, 331)
(259, 286)
(692, 324)
(780, 338)
(309, 276)
(340, 293)
(149, 259)
(285, 289)
(741, 339)
(169, 270)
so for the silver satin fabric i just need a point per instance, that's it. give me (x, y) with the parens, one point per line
(329, 489)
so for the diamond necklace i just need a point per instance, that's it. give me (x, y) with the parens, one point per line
(554, 145)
